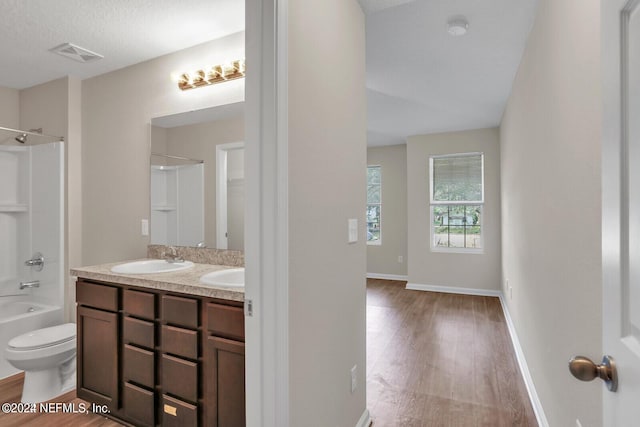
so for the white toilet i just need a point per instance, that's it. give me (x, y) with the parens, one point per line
(48, 357)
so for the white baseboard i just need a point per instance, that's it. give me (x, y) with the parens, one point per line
(524, 368)
(453, 290)
(522, 362)
(365, 419)
(386, 276)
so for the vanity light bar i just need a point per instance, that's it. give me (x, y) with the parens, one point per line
(212, 75)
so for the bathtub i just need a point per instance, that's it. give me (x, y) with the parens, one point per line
(18, 315)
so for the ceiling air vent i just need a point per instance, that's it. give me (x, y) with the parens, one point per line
(76, 53)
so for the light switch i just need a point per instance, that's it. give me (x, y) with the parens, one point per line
(353, 230)
(145, 227)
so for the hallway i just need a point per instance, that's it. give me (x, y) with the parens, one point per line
(432, 361)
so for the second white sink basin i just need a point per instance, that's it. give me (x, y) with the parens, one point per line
(151, 266)
(232, 277)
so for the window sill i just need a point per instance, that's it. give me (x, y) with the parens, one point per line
(458, 251)
(374, 243)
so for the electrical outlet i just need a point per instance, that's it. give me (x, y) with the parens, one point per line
(510, 292)
(144, 224)
(400, 259)
(354, 378)
(578, 423)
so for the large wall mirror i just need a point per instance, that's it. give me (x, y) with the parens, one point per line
(197, 178)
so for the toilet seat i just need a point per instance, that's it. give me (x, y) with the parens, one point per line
(45, 337)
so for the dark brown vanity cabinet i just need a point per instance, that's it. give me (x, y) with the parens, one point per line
(139, 367)
(224, 365)
(161, 359)
(98, 338)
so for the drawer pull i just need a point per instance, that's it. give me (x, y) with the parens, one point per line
(171, 410)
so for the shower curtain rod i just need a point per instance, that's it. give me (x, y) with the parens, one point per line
(31, 133)
(177, 157)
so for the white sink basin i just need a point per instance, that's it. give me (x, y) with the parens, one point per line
(232, 277)
(151, 266)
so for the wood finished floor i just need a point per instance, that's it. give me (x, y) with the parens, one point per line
(10, 391)
(432, 361)
(440, 360)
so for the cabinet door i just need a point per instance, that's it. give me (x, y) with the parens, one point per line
(224, 382)
(98, 356)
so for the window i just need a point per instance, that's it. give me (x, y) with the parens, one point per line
(457, 199)
(374, 205)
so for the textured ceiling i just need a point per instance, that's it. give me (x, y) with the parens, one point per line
(422, 80)
(419, 79)
(126, 32)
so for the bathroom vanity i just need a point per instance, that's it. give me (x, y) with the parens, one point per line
(161, 349)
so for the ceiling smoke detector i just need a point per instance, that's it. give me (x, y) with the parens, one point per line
(76, 53)
(458, 26)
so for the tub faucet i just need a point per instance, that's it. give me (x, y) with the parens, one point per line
(33, 284)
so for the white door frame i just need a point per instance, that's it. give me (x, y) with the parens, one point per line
(266, 214)
(222, 150)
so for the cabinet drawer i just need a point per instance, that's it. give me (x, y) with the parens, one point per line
(176, 413)
(140, 304)
(138, 366)
(180, 311)
(139, 405)
(98, 296)
(225, 321)
(138, 332)
(180, 342)
(180, 377)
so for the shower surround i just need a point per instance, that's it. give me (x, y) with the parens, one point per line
(31, 221)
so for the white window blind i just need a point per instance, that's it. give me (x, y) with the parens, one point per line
(457, 178)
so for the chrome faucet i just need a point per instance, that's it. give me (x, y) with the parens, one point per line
(36, 261)
(201, 245)
(33, 284)
(173, 255)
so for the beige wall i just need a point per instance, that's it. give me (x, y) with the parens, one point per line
(550, 149)
(199, 142)
(9, 108)
(327, 164)
(477, 271)
(383, 258)
(117, 108)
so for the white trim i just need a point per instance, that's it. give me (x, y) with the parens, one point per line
(522, 362)
(222, 240)
(365, 419)
(524, 368)
(454, 290)
(400, 277)
(468, 251)
(266, 214)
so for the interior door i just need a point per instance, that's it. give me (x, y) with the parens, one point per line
(621, 206)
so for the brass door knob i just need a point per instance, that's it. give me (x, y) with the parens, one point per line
(585, 369)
